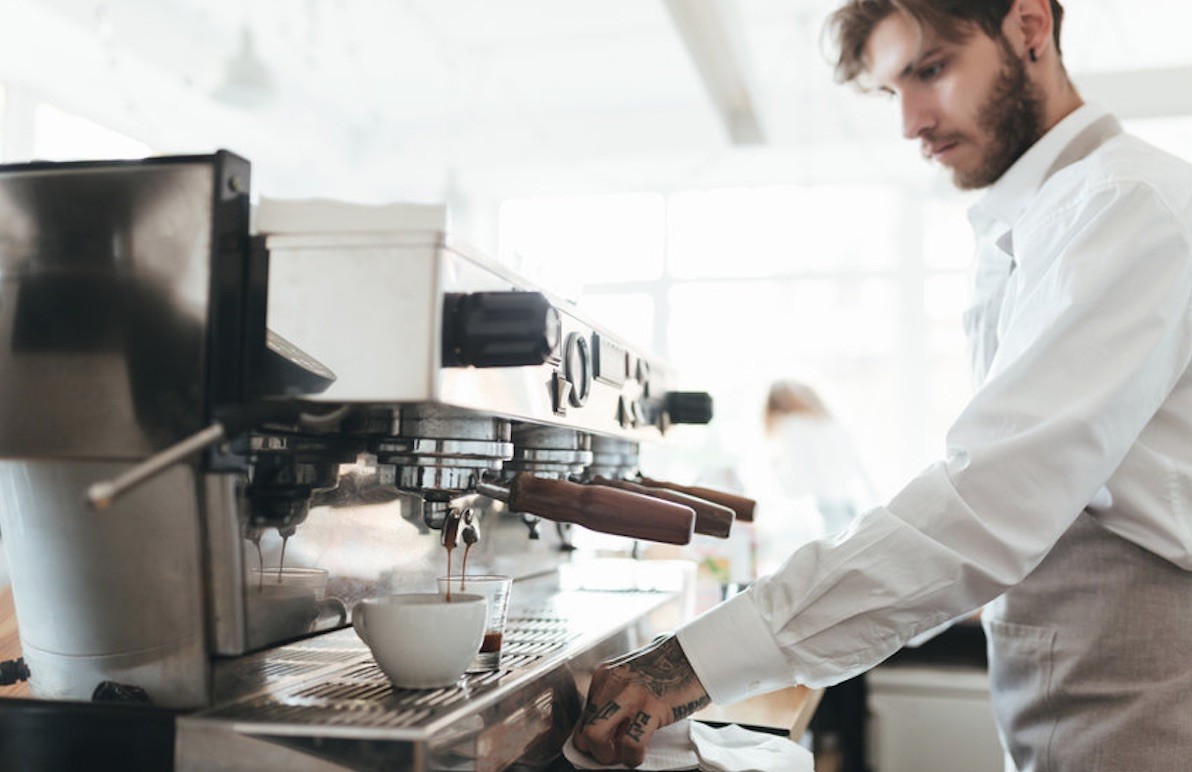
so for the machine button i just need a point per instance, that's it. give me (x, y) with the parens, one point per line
(643, 376)
(637, 414)
(560, 393)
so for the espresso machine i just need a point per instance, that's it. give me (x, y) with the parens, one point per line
(197, 399)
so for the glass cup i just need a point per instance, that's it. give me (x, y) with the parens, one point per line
(283, 603)
(313, 579)
(495, 590)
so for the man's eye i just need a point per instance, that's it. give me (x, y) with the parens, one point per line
(931, 71)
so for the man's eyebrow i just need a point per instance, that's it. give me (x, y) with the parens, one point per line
(906, 72)
(918, 60)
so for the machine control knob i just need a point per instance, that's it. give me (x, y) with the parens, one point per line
(577, 366)
(499, 329)
(689, 407)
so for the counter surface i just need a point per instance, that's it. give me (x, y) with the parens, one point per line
(10, 641)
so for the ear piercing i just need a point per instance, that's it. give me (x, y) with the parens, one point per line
(1033, 55)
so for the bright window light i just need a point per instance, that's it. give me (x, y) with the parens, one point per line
(629, 315)
(572, 241)
(772, 329)
(1172, 134)
(858, 291)
(766, 231)
(947, 236)
(62, 136)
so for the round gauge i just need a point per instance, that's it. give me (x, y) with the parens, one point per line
(577, 367)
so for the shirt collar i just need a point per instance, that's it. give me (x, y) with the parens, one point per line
(1007, 198)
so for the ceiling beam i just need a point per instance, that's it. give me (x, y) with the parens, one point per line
(712, 32)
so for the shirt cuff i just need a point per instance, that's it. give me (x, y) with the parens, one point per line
(733, 652)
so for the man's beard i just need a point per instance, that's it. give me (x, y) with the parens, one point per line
(1012, 118)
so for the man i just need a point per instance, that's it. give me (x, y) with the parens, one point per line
(1066, 489)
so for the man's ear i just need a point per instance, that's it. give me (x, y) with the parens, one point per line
(1028, 27)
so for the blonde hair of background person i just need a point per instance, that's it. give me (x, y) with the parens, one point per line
(810, 463)
(787, 398)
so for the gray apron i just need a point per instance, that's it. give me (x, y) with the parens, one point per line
(1091, 655)
(1091, 659)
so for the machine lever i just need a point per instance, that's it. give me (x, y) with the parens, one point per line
(742, 506)
(711, 519)
(100, 495)
(598, 508)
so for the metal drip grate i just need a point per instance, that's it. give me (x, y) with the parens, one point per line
(326, 697)
(351, 689)
(287, 669)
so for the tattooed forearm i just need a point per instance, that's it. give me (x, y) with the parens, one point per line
(637, 726)
(664, 669)
(681, 712)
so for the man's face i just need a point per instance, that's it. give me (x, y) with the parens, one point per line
(968, 103)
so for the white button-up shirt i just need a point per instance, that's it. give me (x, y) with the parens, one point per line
(1082, 337)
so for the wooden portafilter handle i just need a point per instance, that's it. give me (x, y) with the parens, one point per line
(607, 510)
(711, 519)
(740, 505)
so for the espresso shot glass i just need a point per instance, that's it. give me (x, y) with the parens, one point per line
(495, 590)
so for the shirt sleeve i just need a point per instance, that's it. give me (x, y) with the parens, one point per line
(1093, 339)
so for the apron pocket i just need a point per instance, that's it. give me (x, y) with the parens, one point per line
(1020, 675)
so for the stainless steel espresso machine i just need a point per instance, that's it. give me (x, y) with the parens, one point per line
(193, 410)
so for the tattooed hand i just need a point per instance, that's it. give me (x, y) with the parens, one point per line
(635, 695)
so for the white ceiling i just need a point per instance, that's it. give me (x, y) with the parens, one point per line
(384, 99)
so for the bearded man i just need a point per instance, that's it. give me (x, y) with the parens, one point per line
(1064, 499)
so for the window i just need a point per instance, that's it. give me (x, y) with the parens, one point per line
(567, 243)
(630, 315)
(1172, 134)
(857, 290)
(767, 231)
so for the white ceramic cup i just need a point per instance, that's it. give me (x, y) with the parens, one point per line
(419, 639)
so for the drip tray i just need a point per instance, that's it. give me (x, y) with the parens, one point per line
(326, 698)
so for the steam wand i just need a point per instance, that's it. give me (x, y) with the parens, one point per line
(100, 495)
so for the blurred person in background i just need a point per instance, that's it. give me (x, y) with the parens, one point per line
(810, 457)
(1062, 500)
(811, 484)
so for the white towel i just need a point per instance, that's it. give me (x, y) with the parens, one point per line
(691, 745)
(733, 748)
(669, 749)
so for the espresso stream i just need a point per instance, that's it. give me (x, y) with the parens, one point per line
(463, 571)
(492, 640)
(280, 563)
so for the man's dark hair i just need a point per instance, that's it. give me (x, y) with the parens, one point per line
(850, 26)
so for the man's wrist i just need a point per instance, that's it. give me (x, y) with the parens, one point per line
(732, 651)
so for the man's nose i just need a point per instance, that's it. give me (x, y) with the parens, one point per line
(918, 115)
